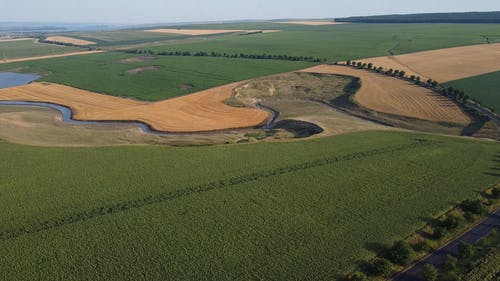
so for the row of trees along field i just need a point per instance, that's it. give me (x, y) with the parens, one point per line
(468, 17)
(457, 95)
(226, 55)
(403, 254)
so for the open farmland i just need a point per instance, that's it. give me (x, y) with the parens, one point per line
(69, 40)
(107, 73)
(445, 64)
(394, 96)
(483, 88)
(204, 111)
(311, 22)
(203, 213)
(340, 42)
(197, 32)
(29, 48)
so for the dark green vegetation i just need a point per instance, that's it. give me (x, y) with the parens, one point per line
(483, 88)
(28, 48)
(468, 17)
(276, 211)
(109, 73)
(480, 262)
(342, 42)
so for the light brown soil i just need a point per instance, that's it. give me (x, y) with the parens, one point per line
(313, 22)
(15, 39)
(195, 32)
(203, 111)
(137, 59)
(50, 56)
(143, 69)
(69, 40)
(445, 64)
(394, 96)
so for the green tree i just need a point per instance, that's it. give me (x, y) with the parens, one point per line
(465, 250)
(430, 273)
(381, 267)
(451, 222)
(495, 192)
(401, 253)
(474, 206)
(370, 65)
(450, 263)
(358, 276)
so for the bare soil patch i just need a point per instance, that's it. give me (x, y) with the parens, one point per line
(15, 39)
(143, 69)
(195, 32)
(51, 56)
(187, 86)
(203, 111)
(445, 64)
(394, 96)
(137, 59)
(69, 40)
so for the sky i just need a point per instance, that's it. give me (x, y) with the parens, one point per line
(170, 11)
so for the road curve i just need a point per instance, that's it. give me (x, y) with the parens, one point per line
(472, 236)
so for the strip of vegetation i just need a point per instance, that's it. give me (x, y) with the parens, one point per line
(468, 17)
(227, 55)
(163, 197)
(424, 241)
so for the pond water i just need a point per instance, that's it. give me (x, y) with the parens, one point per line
(11, 79)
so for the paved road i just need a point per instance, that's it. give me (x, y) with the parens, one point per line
(472, 236)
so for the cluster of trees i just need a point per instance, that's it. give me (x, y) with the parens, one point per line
(226, 55)
(467, 17)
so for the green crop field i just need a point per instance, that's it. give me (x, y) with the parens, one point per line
(276, 211)
(108, 73)
(341, 42)
(28, 48)
(483, 88)
(124, 37)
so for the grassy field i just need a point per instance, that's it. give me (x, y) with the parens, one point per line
(341, 42)
(483, 88)
(123, 37)
(276, 211)
(28, 48)
(109, 73)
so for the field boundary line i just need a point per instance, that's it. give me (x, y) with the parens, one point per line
(201, 188)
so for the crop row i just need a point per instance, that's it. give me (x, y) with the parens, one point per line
(163, 197)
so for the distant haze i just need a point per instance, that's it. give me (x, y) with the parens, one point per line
(169, 11)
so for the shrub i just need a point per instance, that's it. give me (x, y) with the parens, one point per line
(381, 267)
(465, 250)
(495, 192)
(473, 206)
(449, 276)
(451, 222)
(358, 276)
(400, 253)
(422, 246)
(450, 263)
(430, 273)
(469, 217)
(439, 232)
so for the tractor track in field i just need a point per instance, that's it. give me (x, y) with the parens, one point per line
(111, 209)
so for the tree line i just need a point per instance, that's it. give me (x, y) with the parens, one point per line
(467, 17)
(227, 55)
(457, 95)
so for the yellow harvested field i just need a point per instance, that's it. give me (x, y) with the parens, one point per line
(203, 111)
(50, 56)
(394, 96)
(205, 31)
(313, 22)
(69, 40)
(445, 64)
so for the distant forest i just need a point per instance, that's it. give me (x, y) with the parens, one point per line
(469, 17)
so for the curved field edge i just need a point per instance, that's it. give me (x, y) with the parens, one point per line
(309, 211)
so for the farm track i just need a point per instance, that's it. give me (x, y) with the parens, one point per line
(202, 188)
(51, 56)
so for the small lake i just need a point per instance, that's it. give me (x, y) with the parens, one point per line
(11, 79)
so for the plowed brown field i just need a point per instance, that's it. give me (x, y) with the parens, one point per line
(394, 96)
(69, 40)
(203, 111)
(205, 31)
(445, 64)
